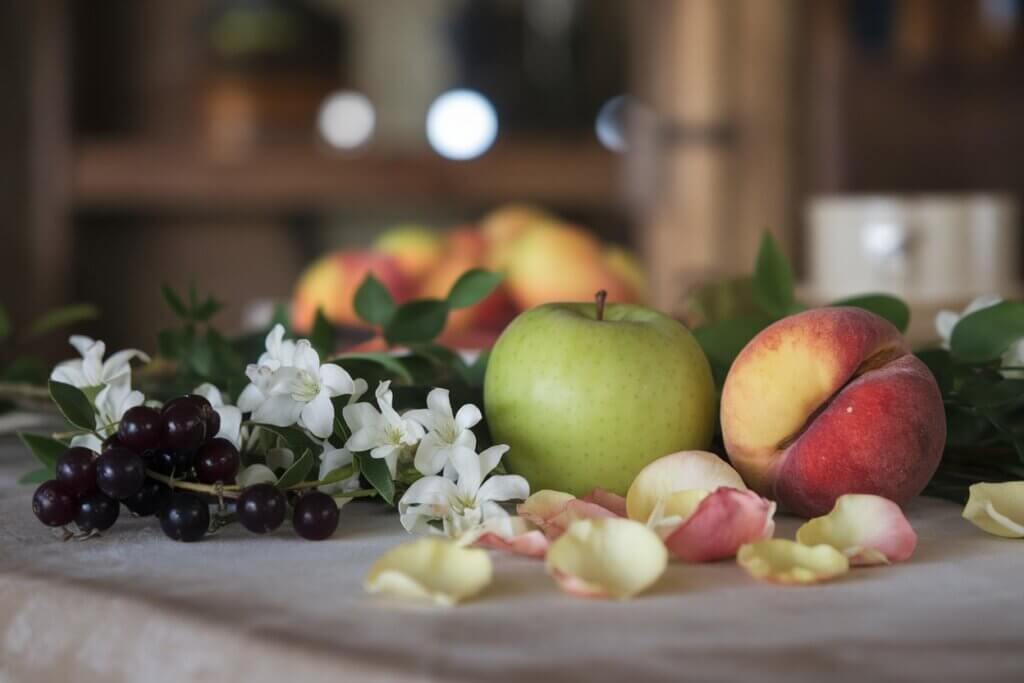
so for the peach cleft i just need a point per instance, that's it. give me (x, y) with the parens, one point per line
(867, 529)
(788, 562)
(997, 508)
(831, 401)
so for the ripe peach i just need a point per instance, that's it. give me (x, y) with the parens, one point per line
(556, 262)
(331, 283)
(828, 402)
(503, 226)
(416, 249)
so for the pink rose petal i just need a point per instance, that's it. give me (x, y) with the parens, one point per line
(868, 529)
(513, 535)
(608, 500)
(722, 522)
(543, 508)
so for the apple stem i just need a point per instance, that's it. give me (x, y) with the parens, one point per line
(599, 300)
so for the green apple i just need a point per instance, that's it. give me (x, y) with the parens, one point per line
(587, 399)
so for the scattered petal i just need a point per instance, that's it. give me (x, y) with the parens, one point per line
(608, 500)
(542, 508)
(997, 508)
(511, 534)
(606, 558)
(722, 522)
(682, 471)
(430, 570)
(788, 562)
(867, 529)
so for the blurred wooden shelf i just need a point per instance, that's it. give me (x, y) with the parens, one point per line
(164, 177)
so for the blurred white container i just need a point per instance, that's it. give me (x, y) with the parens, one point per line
(929, 249)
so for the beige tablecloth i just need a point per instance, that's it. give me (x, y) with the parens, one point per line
(133, 605)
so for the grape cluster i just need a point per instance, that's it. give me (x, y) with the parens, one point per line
(178, 441)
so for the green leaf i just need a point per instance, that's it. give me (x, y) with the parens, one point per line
(941, 365)
(200, 357)
(375, 471)
(62, 317)
(298, 441)
(25, 369)
(987, 395)
(891, 308)
(338, 474)
(174, 302)
(169, 344)
(297, 473)
(37, 476)
(5, 323)
(984, 335)
(321, 337)
(73, 405)
(373, 302)
(416, 321)
(476, 371)
(722, 342)
(46, 450)
(472, 287)
(773, 280)
(206, 310)
(392, 364)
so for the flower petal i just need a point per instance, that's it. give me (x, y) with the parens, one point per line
(439, 402)
(997, 508)
(503, 487)
(867, 529)
(722, 522)
(430, 570)
(606, 558)
(680, 471)
(250, 398)
(336, 380)
(431, 455)
(788, 562)
(468, 416)
(511, 534)
(281, 410)
(318, 415)
(255, 474)
(542, 508)
(612, 502)
(490, 457)
(230, 424)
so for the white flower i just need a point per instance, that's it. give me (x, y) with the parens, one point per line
(462, 505)
(332, 459)
(280, 353)
(230, 416)
(111, 404)
(946, 321)
(301, 393)
(386, 434)
(445, 432)
(91, 370)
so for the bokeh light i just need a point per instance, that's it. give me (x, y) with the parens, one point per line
(461, 124)
(610, 124)
(346, 119)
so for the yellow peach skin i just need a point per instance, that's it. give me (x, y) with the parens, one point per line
(828, 402)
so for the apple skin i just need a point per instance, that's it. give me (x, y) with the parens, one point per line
(586, 404)
(331, 283)
(831, 401)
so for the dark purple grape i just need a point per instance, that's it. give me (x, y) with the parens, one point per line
(149, 499)
(261, 508)
(140, 429)
(211, 419)
(54, 504)
(183, 426)
(166, 461)
(76, 469)
(316, 516)
(217, 460)
(97, 512)
(120, 473)
(186, 517)
(112, 441)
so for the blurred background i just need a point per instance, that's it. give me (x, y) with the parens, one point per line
(639, 146)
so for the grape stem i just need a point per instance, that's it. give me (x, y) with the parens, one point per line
(210, 489)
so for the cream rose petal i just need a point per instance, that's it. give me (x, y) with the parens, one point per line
(606, 558)
(612, 502)
(682, 471)
(721, 523)
(788, 562)
(867, 529)
(511, 534)
(431, 570)
(542, 508)
(997, 508)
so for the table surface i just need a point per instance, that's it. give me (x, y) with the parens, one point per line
(133, 605)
